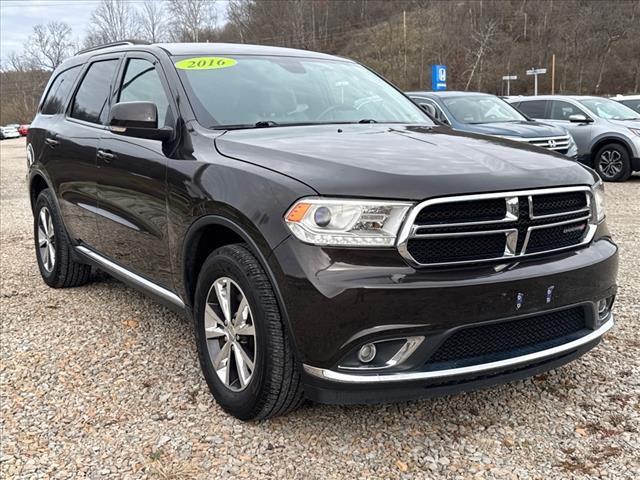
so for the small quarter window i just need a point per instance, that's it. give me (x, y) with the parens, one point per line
(90, 103)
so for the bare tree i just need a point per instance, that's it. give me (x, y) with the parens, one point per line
(48, 46)
(152, 21)
(190, 18)
(112, 21)
(483, 40)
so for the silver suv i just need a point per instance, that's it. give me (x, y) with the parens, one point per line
(607, 133)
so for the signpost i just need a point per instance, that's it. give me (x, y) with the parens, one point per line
(508, 78)
(438, 77)
(535, 72)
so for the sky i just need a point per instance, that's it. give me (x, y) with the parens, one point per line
(18, 17)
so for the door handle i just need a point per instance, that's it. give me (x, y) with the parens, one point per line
(106, 155)
(51, 142)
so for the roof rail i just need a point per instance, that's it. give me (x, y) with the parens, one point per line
(114, 44)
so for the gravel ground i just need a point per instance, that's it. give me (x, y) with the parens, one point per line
(100, 382)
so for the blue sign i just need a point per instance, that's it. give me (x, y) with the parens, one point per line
(438, 77)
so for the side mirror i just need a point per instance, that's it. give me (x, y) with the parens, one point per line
(579, 118)
(137, 119)
(430, 109)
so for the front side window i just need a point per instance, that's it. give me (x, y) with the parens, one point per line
(59, 90)
(142, 83)
(563, 110)
(609, 109)
(482, 109)
(534, 108)
(92, 97)
(241, 91)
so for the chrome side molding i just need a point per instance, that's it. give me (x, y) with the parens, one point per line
(119, 271)
(363, 378)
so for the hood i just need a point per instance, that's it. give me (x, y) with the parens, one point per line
(402, 162)
(635, 123)
(517, 129)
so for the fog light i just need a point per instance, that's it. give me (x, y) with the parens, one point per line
(603, 307)
(367, 353)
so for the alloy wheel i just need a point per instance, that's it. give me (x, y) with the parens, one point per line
(46, 239)
(230, 334)
(611, 163)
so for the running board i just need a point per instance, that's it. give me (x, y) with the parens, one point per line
(127, 276)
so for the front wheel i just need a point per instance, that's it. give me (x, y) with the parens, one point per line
(244, 351)
(612, 163)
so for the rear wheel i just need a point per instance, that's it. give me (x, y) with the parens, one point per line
(244, 351)
(613, 163)
(53, 249)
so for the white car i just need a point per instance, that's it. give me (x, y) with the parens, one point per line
(9, 132)
(631, 101)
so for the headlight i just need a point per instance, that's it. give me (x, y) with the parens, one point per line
(338, 222)
(598, 200)
(635, 130)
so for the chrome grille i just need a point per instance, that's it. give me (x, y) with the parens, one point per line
(497, 226)
(557, 144)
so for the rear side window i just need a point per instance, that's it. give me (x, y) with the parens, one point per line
(563, 110)
(534, 109)
(59, 91)
(90, 103)
(142, 83)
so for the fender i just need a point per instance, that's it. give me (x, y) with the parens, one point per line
(255, 249)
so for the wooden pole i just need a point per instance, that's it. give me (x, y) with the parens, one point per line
(553, 74)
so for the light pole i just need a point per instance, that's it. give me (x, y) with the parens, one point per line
(508, 78)
(535, 72)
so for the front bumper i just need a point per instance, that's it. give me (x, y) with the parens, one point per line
(336, 300)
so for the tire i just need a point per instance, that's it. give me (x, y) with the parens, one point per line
(55, 259)
(612, 163)
(273, 386)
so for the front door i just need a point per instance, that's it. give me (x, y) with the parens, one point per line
(132, 180)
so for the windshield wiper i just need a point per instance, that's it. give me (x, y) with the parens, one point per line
(367, 120)
(265, 123)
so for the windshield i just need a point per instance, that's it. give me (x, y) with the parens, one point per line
(608, 109)
(244, 91)
(482, 109)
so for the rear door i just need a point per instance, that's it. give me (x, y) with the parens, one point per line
(72, 148)
(132, 179)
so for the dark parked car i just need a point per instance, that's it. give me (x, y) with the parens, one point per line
(328, 240)
(490, 115)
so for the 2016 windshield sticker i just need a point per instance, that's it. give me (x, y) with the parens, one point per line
(205, 63)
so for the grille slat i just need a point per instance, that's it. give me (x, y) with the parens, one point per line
(535, 219)
(461, 212)
(503, 339)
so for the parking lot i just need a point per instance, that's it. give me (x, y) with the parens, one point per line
(100, 382)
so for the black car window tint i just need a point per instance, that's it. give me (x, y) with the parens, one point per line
(60, 88)
(92, 96)
(534, 108)
(142, 83)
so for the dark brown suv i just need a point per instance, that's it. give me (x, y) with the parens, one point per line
(328, 239)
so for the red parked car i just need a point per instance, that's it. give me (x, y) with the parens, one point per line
(23, 130)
